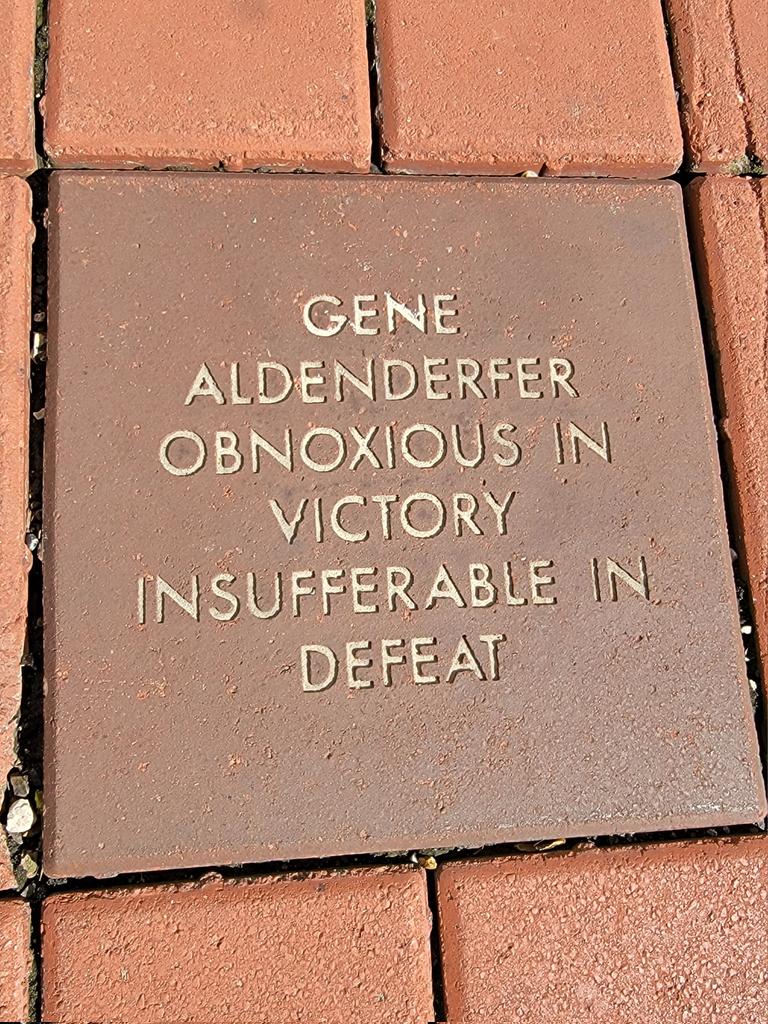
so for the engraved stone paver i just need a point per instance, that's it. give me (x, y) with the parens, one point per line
(163, 83)
(719, 49)
(381, 514)
(15, 273)
(729, 218)
(555, 86)
(17, 118)
(328, 949)
(15, 959)
(658, 934)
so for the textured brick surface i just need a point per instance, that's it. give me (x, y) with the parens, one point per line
(328, 949)
(720, 52)
(564, 86)
(15, 959)
(17, 55)
(15, 273)
(243, 84)
(728, 227)
(663, 935)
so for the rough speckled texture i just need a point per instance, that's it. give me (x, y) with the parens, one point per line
(556, 86)
(241, 83)
(750, 18)
(720, 49)
(326, 949)
(16, 233)
(660, 935)
(729, 219)
(15, 959)
(192, 733)
(17, 117)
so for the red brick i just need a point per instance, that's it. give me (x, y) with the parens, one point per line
(659, 934)
(165, 82)
(16, 235)
(556, 86)
(325, 949)
(720, 57)
(728, 229)
(15, 959)
(17, 58)
(751, 20)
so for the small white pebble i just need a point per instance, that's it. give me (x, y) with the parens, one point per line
(20, 818)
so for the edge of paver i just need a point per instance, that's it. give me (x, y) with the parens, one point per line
(16, 561)
(20, 43)
(718, 290)
(715, 100)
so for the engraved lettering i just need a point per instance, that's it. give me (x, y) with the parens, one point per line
(205, 386)
(309, 682)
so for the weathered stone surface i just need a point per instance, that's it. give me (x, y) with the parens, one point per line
(547, 644)
(331, 948)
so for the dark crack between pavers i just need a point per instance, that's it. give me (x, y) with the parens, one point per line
(26, 776)
(374, 86)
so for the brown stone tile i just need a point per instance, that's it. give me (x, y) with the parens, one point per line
(17, 57)
(196, 733)
(555, 86)
(325, 949)
(660, 934)
(719, 49)
(16, 233)
(728, 228)
(15, 959)
(164, 82)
